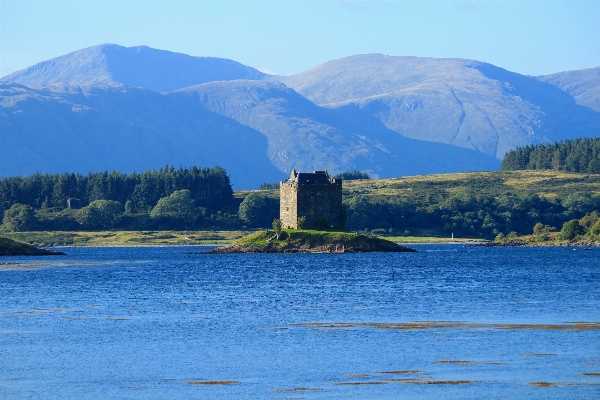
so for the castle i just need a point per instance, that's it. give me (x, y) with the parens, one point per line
(315, 196)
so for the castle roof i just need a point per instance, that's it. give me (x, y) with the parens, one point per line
(308, 177)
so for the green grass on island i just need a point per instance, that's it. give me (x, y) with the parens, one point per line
(297, 240)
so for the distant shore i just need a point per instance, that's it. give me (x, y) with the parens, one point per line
(176, 238)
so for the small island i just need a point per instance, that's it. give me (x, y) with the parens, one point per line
(10, 247)
(309, 241)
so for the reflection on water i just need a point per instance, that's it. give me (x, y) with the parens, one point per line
(446, 322)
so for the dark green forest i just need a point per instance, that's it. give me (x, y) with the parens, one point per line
(581, 155)
(71, 201)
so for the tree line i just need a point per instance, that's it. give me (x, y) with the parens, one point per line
(114, 199)
(580, 155)
(467, 213)
(201, 198)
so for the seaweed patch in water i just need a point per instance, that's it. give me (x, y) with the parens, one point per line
(470, 362)
(457, 362)
(424, 382)
(402, 372)
(536, 355)
(361, 383)
(295, 390)
(590, 374)
(423, 325)
(212, 382)
(543, 384)
(560, 384)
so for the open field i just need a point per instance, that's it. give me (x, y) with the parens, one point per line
(126, 238)
(430, 189)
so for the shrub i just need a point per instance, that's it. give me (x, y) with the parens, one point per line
(99, 214)
(179, 206)
(571, 229)
(19, 217)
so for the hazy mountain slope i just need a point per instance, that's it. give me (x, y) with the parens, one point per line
(142, 66)
(305, 136)
(112, 127)
(460, 102)
(583, 85)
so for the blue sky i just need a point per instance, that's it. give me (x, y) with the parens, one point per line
(285, 37)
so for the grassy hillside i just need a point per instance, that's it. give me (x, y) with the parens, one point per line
(430, 189)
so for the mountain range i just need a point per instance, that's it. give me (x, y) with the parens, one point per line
(110, 107)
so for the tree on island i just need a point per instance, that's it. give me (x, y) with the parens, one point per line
(277, 227)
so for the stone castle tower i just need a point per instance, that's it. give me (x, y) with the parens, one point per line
(313, 196)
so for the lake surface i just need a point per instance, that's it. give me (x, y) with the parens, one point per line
(161, 322)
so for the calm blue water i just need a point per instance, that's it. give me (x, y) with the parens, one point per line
(139, 323)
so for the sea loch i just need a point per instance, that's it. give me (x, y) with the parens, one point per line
(167, 322)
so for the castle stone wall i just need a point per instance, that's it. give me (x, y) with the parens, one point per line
(288, 205)
(312, 196)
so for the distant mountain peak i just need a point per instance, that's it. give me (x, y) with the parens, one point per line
(143, 66)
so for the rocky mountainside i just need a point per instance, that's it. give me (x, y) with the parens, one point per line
(62, 128)
(304, 136)
(99, 127)
(141, 66)
(459, 102)
(111, 107)
(583, 85)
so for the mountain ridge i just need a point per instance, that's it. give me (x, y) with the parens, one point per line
(133, 108)
(138, 66)
(454, 101)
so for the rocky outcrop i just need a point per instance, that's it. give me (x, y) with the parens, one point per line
(10, 247)
(294, 241)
